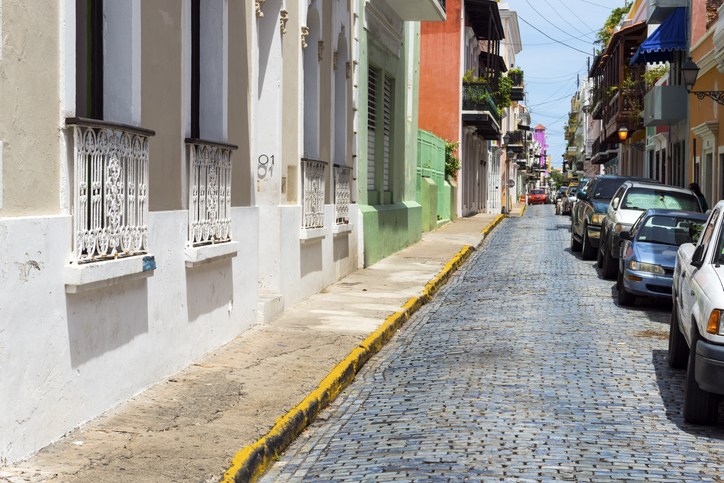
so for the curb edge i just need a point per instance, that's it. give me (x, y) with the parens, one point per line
(252, 461)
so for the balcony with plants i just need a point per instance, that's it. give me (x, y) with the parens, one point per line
(517, 92)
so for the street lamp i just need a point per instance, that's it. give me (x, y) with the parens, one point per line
(623, 133)
(690, 71)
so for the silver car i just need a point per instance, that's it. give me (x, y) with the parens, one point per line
(632, 199)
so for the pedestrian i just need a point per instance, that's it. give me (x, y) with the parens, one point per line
(694, 187)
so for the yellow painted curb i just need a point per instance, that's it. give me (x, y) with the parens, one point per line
(492, 226)
(252, 461)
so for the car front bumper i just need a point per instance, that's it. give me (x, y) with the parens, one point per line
(594, 235)
(710, 366)
(651, 285)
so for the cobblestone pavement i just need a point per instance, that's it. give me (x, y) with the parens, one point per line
(522, 369)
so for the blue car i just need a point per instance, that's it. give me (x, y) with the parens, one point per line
(648, 252)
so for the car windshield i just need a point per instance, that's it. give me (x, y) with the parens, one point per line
(669, 230)
(606, 188)
(536, 192)
(572, 191)
(646, 198)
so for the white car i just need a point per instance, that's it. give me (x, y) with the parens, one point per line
(696, 336)
(631, 199)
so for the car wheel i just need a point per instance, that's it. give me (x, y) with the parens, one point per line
(625, 298)
(678, 350)
(587, 251)
(599, 257)
(609, 264)
(700, 406)
(575, 244)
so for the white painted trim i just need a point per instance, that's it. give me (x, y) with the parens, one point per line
(342, 229)
(1, 175)
(66, 96)
(1, 33)
(90, 276)
(136, 42)
(195, 256)
(225, 73)
(312, 234)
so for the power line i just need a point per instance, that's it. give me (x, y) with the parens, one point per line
(557, 41)
(544, 18)
(563, 2)
(521, 44)
(566, 21)
(602, 6)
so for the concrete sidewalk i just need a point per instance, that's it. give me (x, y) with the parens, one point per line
(190, 426)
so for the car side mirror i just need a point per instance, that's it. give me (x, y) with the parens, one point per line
(625, 235)
(697, 259)
(614, 203)
(582, 195)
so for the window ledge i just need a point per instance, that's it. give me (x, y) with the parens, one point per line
(342, 228)
(195, 256)
(312, 234)
(90, 276)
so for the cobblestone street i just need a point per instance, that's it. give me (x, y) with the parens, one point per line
(522, 368)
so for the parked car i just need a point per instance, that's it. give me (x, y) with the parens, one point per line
(573, 200)
(648, 252)
(567, 201)
(537, 196)
(561, 193)
(696, 335)
(588, 214)
(630, 200)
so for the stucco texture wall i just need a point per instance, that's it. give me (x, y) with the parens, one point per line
(162, 75)
(29, 102)
(440, 44)
(397, 223)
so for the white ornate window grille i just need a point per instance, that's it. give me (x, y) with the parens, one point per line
(209, 192)
(313, 182)
(342, 175)
(110, 190)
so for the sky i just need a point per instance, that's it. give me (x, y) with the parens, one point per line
(550, 68)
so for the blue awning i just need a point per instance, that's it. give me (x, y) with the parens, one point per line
(670, 36)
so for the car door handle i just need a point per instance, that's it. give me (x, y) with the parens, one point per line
(692, 293)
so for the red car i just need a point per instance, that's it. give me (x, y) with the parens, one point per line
(537, 196)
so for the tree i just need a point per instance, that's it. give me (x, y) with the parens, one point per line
(557, 178)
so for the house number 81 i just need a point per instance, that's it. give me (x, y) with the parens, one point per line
(265, 167)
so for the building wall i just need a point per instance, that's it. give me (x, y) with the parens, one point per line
(394, 220)
(440, 54)
(29, 85)
(706, 137)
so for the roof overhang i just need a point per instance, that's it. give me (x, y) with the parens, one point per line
(484, 18)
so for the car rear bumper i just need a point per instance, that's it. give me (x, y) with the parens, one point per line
(651, 285)
(710, 366)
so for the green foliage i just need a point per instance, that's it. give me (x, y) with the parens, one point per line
(505, 88)
(603, 36)
(452, 162)
(655, 73)
(557, 179)
(470, 76)
(517, 70)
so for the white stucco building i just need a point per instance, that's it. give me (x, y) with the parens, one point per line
(171, 173)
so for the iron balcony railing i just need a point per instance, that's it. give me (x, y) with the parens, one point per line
(210, 191)
(478, 97)
(342, 177)
(517, 79)
(314, 174)
(110, 199)
(516, 137)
